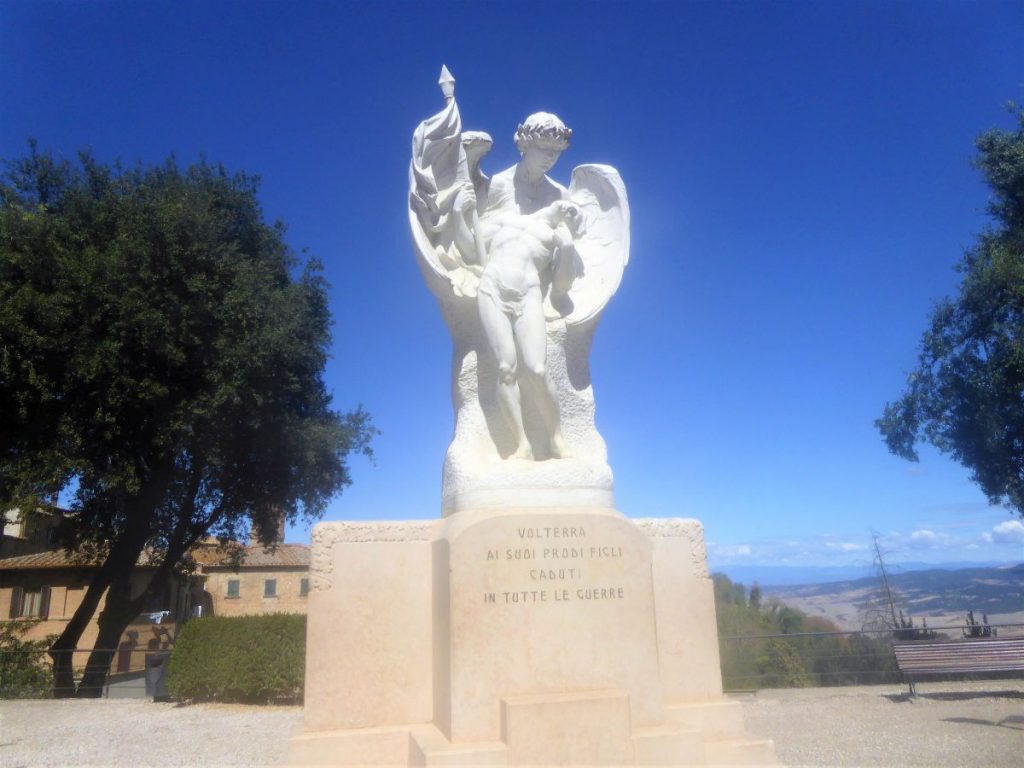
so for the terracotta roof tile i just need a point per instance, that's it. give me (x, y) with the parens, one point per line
(57, 558)
(283, 555)
(53, 559)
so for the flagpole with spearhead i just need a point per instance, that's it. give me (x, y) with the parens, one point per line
(447, 83)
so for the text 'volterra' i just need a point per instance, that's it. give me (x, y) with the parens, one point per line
(552, 533)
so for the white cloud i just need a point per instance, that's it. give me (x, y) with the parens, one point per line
(936, 542)
(815, 549)
(1010, 532)
(729, 552)
(924, 538)
(845, 546)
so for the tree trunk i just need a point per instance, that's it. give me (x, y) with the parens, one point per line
(121, 608)
(116, 615)
(124, 553)
(117, 567)
(62, 651)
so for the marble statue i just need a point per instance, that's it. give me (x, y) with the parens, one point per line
(522, 267)
(509, 297)
(534, 624)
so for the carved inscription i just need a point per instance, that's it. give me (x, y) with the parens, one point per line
(555, 564)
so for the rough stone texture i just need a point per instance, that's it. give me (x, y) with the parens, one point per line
(689, 530)
(476, 472)
(326, 535)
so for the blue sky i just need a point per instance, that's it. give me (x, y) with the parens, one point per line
(800, 183)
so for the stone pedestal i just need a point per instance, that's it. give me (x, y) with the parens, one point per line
(519, 637)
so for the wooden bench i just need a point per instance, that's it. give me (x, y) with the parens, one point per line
(956, 657)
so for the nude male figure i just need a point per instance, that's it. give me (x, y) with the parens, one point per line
(525, 187)
(525, 254)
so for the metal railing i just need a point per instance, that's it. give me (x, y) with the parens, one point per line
(749, 662)
(846, 657)
(125, 677)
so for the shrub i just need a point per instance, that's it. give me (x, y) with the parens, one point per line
(250, 659)
(25, 672)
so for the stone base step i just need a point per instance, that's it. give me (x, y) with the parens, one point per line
(667, 745)
(578, 728)
(361, 746)
(719, 719)
(584, 728)
(428, 747)
(740, 752)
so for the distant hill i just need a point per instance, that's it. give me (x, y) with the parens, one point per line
(940, 594)
(789, 575)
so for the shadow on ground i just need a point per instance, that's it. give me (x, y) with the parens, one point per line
(1013, 721)
(902, 698)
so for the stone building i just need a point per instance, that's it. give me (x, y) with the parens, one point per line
(266, 580)
(28, 533)
(39, 581)
(49, 586)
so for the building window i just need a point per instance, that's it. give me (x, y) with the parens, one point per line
(303, 587)
(270, 588)
(30, 603)
(232, 587)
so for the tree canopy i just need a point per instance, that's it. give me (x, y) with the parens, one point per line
(966, 396)
(768, 644)
(161, 357)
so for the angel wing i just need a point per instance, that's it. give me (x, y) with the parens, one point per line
(436, 174)
(603, 247)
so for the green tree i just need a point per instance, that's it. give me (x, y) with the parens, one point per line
(966, 396)
(161, 357)
(23, 673)
(728, 592)
(754, 654)
(755, 596)
(780, 666)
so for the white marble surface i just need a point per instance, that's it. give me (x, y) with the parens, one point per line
(522, 267)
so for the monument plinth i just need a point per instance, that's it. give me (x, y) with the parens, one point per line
(532, 624)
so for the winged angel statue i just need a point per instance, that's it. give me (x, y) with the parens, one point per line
(522, 268)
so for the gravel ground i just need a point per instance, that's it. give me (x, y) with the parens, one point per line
(131, 733)
(952, 725)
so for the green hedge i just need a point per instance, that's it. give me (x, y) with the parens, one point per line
(240, 658)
